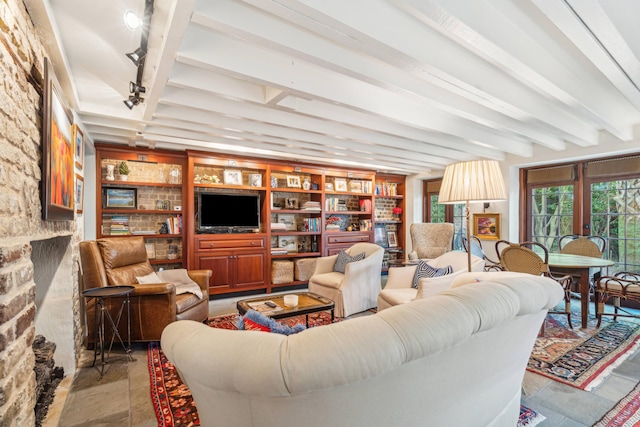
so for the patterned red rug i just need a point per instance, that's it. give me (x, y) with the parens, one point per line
(582, 358)
(529, 418)
(171, 398)
(625, 414)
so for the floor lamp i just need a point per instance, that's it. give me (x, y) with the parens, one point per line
(472, 182)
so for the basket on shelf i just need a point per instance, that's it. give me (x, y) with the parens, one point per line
(281, 271)
(304, 268)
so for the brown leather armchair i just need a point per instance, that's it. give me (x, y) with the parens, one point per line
(118, 261)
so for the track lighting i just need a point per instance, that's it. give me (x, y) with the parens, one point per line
(137, 56)
(133, 101)
(136, 88)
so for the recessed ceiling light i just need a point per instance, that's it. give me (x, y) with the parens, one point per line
(131, 20)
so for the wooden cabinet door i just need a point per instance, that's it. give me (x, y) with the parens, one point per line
(250, 268)
(223, 267)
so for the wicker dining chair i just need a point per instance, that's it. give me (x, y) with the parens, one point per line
(524, 258)
(593, 246)
(621, 286)
(477, 250)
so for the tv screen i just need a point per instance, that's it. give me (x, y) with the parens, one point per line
(217, 210)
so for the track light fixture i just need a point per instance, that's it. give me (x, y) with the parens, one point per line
(136, 88)
(133, 101)
(137, 56)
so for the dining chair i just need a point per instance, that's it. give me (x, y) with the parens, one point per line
(621, 286)
(593, 246)
(477, 250)
(533, 258)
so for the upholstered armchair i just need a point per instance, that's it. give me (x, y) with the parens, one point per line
(430, 240)
(119, 261)
(399, 289)
(358, 287)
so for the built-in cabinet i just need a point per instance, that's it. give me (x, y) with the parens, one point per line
(147, 202)
(305, 211)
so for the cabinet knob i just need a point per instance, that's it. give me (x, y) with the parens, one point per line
(211, 245)
(253, 243)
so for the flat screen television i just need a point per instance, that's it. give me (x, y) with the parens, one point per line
(228, 213)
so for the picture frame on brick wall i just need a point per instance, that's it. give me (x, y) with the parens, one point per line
(58, 152)
(78, 138)
(79, 193)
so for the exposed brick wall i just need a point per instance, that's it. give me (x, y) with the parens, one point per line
(21, 70)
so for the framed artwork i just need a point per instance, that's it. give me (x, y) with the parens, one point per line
(328, 186)
(162, 205)
(117, 198)
(486, 226)
(58, 187)
(293, 181)
(392, 238)
(255, 180)
(274, 182)
(79, 196)
(341, 184)
(233, 177)
(78, 138)
(151, 250)
(355, 186)
(380, 235)
(290, 243)
(289, 221)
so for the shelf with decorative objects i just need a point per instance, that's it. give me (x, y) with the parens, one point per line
(140, 194)
(389, 217)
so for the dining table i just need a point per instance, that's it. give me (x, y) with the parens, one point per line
(578, 266)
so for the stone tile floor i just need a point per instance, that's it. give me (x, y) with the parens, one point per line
(122, 397)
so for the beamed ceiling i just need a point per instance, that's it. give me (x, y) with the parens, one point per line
(405, 86)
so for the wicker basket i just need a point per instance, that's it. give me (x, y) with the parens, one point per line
(304, 268)
(281, 272)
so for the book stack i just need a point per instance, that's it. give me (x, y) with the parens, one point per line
(311, 206)
(311, 224)
(278, 251)
(278, 226)
(333, 204)
(119, 225)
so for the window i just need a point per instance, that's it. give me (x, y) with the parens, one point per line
(436, 212)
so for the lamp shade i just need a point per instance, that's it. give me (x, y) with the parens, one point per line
(473, 181)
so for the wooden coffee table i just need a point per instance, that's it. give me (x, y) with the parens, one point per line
(308, 303)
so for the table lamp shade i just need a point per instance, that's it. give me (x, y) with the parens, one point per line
(477, 180)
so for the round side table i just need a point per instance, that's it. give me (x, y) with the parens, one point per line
(101, 312)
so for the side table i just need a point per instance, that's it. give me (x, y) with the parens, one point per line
(102, 313)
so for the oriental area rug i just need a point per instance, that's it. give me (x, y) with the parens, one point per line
(582, 358)
(625, 414)
(172, 400)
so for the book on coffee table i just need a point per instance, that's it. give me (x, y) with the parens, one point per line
(263, 307)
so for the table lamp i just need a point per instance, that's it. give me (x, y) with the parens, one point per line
(471, 182)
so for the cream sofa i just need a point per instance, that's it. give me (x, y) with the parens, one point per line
(455, 359)
(398, 289)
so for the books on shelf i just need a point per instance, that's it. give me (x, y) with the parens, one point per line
(334, 204)
(386, 189)
(174, 224)
(119, 225)
(311, 206)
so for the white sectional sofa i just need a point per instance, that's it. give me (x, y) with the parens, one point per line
(454, 359)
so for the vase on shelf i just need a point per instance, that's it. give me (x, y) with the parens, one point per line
(110, 173)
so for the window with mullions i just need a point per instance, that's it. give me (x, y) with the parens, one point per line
(551, 214)
(615, 215)
(437, 209)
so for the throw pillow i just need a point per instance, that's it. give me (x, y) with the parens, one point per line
(425, 270)
(255, 321)
(149, 278)
(344, 259)
(180, 278)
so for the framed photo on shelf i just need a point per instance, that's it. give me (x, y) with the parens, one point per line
(118, 198)
(392, 238)
(162, 205)
(79, 194)
(341, 184)
(151, 250)
(293, 181)
(255, 180)
(380, 235)
(290, 243)
(355, 186)
(328, 186)
(486, 226)
(289, 221)
(232, 177)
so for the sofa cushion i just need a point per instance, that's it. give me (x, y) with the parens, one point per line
(398, 296)
(329, 280)
(256, 321)
(425, 270)
(344, 259)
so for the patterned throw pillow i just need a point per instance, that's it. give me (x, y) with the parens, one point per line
(344, 259)
(255, 321)
(425, 270)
